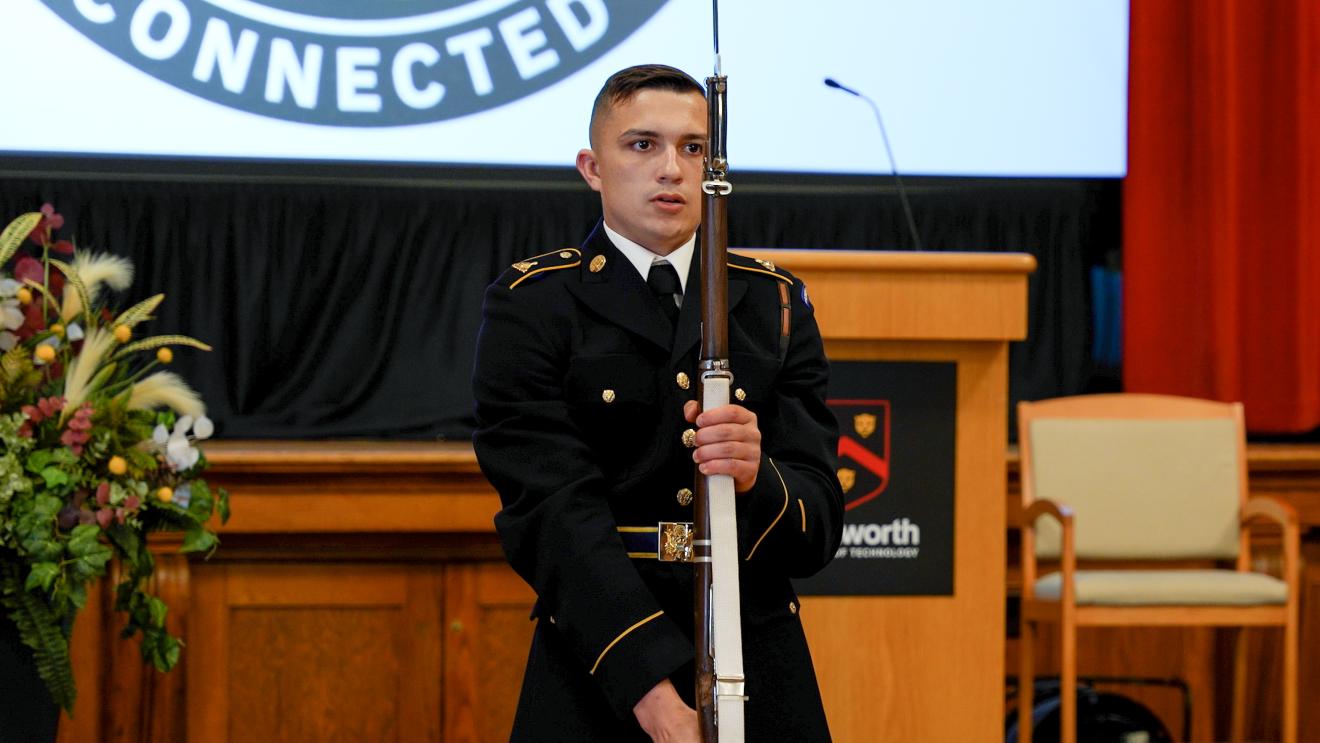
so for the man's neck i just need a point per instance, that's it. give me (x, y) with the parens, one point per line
(641, 257)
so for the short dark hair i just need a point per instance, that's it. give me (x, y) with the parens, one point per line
(628, 82)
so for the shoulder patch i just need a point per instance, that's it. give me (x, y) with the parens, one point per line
(539, 264)
(758, 265)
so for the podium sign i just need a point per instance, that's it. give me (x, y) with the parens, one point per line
(897, 421)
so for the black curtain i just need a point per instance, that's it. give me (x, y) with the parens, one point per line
(350, 308)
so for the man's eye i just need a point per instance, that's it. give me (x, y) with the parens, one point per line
(642, 144)
(695, 148)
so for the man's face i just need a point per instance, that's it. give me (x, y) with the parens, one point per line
(647, 164)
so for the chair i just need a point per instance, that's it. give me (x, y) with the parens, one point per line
(1104, 466)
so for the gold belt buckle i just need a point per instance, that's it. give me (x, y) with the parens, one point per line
(675, 541)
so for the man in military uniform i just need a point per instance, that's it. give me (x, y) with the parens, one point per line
(588, 428)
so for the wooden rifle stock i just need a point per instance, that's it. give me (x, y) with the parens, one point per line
(714, 358)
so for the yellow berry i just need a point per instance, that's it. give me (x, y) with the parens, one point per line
(117, 465)
(164, 355)
(57, 329)
(123, 333)
(24, 295)
(46, 353)
(165, 494)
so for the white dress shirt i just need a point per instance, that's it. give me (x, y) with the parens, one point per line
(641, 258)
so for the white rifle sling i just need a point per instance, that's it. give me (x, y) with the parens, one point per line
(726, 635)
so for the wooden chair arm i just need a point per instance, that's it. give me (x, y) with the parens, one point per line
(1283, 514)
(1041, 507)
(1067, 554)
(1261, 506)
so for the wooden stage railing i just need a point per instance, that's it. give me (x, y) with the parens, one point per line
(360, 594)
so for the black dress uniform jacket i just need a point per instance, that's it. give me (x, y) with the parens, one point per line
(580, 385)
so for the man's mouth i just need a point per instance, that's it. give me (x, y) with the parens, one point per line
(669, 201)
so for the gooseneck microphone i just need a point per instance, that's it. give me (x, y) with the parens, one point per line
(893, 165)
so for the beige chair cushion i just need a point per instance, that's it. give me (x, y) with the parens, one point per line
(1141, 489)
(1168, 588)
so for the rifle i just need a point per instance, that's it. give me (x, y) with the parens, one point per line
(719, 668)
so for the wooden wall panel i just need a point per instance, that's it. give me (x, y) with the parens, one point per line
(325, 652)
(1149, 653)
(487, 635)
(316, 673)
(1309, 661)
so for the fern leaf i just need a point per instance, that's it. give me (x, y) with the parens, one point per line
(72, 278)
(156, 341)
(16, 233)
(140, 311)
(40, 629)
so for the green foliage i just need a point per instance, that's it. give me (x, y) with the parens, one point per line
(79, 483)
(42, 576)
(198, 539)
(41, 629)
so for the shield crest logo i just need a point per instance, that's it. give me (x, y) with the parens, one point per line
(863, 458)
(847, 478)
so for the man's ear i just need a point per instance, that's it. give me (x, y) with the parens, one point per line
(589, 168)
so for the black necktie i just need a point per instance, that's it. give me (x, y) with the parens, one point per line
(663, 280)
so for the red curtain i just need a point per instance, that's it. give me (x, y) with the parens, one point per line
(1222, 206)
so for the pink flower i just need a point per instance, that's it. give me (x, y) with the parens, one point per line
(29, 269)
(50, 220)
(74, 440)
(103, 494)
(33, 321)
(104, 516)
(50, 405)
(78, 427)
(48, 212)
(82, 419)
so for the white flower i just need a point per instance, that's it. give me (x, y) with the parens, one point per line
(11, 317)
(183, 495)
(9, 287)
(179, 453)
(203, 428)
(74, 332)
(160, 434)
(7, 340)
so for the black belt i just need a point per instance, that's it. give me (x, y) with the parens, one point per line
(667, 541)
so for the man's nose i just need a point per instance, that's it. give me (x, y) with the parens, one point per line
(670, 171)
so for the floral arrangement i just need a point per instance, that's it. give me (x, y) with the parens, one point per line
(97, 447)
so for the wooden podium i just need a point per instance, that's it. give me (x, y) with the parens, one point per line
(924, 668)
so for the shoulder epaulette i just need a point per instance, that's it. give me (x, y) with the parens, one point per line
(539, 264)
(758, 265)
(766, 268)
